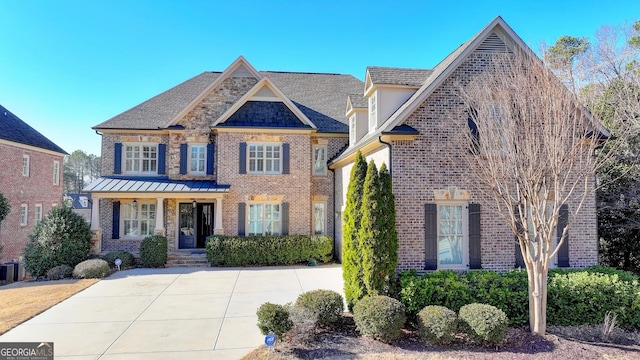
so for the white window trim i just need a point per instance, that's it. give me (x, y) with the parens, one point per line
(353, 131)
(24, 215)
(264, 158)
(313, 217)
(465, 235)
(313, 165)
(26, 164)
(373, 112)
(189, 153)
(138, 219)
(56, 172)
(264, 204)
(141, 159)
(38, 213)
(84, 202)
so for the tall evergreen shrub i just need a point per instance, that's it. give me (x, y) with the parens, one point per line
(351, 266)
(388, 232)
(371, 243)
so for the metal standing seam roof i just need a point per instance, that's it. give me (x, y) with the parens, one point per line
(108, 184)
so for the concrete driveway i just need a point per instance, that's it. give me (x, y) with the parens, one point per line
(175, 313)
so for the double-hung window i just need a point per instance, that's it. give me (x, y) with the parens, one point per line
(197, 159)
(139, 219)
(453, 243)
(319, 218)
(320, 160)
(25, 165)
(265, 158)
(264, 219)
(373, 111)
(24, 214)
(56, 172)
(352, 130)
(141, 158)
(38, 213)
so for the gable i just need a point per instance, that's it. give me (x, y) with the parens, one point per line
(264, 114)
(494, 44)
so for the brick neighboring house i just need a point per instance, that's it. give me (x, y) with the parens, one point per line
(244, 152)
(30, 179)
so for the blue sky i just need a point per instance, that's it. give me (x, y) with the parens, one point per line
(66, 66)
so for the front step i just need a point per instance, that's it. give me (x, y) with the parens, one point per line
(188, 258)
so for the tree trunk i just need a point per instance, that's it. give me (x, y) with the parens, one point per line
(538, 299)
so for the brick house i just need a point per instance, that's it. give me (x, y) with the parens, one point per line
(244, 152)
(30, 179)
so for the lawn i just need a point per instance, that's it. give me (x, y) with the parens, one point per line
(23, 300)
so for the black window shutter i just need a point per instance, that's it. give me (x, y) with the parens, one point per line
(243, 158)
(475, 250)
(210, 155)
(284, 216)
(285, 158)
(117, 158)
(431, 236)
(183, 158)
(242, 213)
(162, 158)
(563, 253)
(475, 136)
(518, 252)
(115, 223)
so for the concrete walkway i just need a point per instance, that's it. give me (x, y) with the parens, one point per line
(176, 313)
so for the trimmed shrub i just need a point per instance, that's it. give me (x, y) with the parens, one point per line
(268, 250)
(326, 305)
(128, 260)
(91, 269)
(61, 238)
(60, 272)
(379, 317)
(153, 251)
(437, 324)
(484, 324)
(274, 318)
(443, 287)
(304, 322)
(508, 291)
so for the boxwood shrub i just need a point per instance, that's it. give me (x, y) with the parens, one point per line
(484, 324)
(128, 260)
(437, 324)
(153, 251)
(274, 318)
(326, 305)
(268, 250)
(379, 317)
(60, 272)
(91, 269)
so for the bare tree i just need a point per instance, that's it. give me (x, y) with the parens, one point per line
(533, 148)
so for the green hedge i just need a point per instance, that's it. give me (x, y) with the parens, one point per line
(268, 250)
(575, 297)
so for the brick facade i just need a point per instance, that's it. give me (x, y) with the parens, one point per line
(37, 188)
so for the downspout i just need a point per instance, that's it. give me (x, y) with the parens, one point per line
(333, 252)
(390, 155)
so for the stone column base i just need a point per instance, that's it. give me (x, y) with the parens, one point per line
(96, 241)
(218, 231)
(161, 232)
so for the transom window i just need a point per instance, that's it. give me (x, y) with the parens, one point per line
(265, 159)
(197, 159)
(138, 219)
(264, 219)
(452, 236)
(320, 160)
(319, 218)
(141, 158)
(25, 165)
(373, 109)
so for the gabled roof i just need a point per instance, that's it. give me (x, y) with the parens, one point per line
(13, 129)
(357, 101)
(75, 200)
(397, 76)
(274, 94)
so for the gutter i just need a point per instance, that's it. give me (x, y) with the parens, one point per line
(390, 155)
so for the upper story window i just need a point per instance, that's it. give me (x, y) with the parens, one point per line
(25, 165)
(264, 219)
(38, 213)
(319, 160)
(140, 158)
(197, 159)
(56, 172)
(138, 219)
(319, 218)
(352, 129)
(453, 242)
(265, 158)
(373, 111)
(24, 214)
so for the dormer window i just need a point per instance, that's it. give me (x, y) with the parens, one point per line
(352, 129)
(372, 112)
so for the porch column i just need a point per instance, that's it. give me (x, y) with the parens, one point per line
(218, 230)
(95, 213)
(159, 230)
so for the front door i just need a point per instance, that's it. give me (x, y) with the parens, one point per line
(196, 224)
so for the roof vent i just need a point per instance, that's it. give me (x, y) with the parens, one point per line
(493, 44)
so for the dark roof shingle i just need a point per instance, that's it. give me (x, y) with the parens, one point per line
(12, 128)
(397, 76)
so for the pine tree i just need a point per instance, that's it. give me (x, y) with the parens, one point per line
(351, 261)
(389, 233)
(372, 246)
